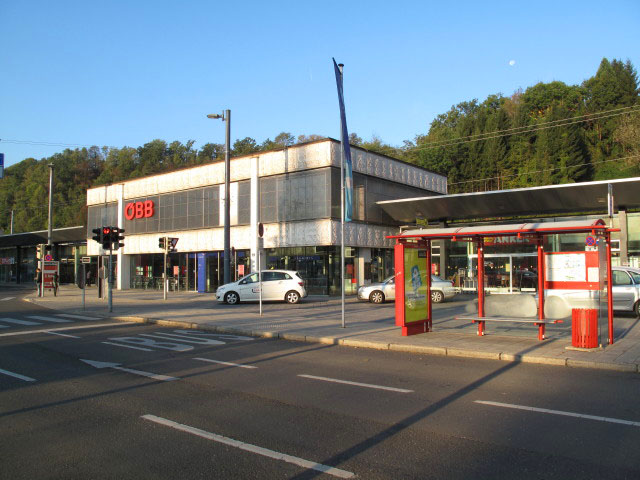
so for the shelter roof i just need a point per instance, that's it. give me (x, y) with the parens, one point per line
(516, 229)
(58, 235)
(549, 199)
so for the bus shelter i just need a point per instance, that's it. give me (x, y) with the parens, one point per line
(588, 272)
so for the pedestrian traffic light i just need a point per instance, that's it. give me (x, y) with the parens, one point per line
(98, 234)
(106, 238)
(162, 243)
(116, 236)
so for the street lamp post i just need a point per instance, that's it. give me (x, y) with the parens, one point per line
(226, 117)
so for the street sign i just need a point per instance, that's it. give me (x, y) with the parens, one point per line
(86, 259)
(48, 258)
(591, 241)
(172, 243)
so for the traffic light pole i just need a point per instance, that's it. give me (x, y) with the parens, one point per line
(164, 264)
(110, 282)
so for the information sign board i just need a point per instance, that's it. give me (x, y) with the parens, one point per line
(49, 271)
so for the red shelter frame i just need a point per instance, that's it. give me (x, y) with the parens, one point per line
(422, 239)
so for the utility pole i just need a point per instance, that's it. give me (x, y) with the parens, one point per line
(226, 117)
(50, 232)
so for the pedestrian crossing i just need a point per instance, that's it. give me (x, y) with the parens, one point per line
(32, 320)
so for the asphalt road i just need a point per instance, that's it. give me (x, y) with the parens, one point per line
(89, 398)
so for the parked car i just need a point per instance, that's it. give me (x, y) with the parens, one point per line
(386, 290)
(278, 285)
(625, 289)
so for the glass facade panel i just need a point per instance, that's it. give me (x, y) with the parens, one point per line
(98, 216)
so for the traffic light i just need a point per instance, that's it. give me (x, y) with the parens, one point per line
(106, 238)
(98, 234)
(162, 243)
(116, 236)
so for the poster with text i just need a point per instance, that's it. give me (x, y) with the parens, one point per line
(415, 285)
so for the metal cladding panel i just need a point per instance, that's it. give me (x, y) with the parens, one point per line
(551, 199)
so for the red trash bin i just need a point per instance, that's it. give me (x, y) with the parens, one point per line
(584, 327)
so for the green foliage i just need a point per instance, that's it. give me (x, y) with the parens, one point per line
(538, 136)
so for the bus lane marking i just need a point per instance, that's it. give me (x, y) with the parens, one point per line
(116, 366)
(17, 375)
(62, 334)
(224, 363)
(560, 412)
(247, 447)
(128, 346)
(357, 384)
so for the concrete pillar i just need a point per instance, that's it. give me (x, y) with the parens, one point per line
(255, 217)
(624, 237)
(123, 261)
(444, 258)
(363, 258)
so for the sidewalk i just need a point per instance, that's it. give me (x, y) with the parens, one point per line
(318, 319)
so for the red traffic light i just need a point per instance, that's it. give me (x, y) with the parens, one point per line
(106, 230)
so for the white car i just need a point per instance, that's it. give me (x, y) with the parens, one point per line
(283, 285)
(386, 290)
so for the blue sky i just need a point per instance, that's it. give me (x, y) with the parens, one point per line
(126, 72)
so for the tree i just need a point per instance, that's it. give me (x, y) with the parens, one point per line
(246, 146)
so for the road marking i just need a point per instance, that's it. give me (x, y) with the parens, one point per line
(247, 447)
(184, 338)
(61, 334)
(116, 366)
(77, 317)
(4, 326)
(224, 363)
(48, 319)
(18, 322)
(17, 375)
(357, 384)
(560, 412)
(128, 346)
(61, 329)
(6, 298)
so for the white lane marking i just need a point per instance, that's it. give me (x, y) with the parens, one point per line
(17, 375)
(61, 329)
(116, 366)
(48, 319)
(18, 322)
(560, 412)
(128, 346)
(357, 384)
(224, 363)
(301, 462)
(77, 317)
(184, 338)
(4, 326)
(61, 334)
(6, 298)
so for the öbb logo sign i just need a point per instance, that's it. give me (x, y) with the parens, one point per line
(139, 210)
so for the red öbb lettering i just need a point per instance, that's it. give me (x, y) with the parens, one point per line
(139, 210)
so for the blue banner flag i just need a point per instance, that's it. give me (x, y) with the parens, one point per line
(1, 165)
(348, 174)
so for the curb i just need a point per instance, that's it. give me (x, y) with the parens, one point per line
(396, 347)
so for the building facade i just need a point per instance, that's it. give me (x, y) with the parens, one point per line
(293, 192)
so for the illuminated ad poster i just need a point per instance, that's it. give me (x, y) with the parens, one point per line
(415, 285)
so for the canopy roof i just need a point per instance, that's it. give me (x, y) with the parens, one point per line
(516, 229)
(58, 235)
(587, 197)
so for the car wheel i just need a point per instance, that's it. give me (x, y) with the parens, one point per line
(376, 297)
(437, 297)
(231, 298)
(292, 297)
(636, 309)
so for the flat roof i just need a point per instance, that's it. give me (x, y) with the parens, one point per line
(58, 235)
(586, 197)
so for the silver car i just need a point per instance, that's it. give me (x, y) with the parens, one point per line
(626, 289)
(386, 290)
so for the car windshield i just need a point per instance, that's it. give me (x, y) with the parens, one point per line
(635, 275)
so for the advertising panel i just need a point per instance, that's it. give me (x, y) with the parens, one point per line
(415, 285)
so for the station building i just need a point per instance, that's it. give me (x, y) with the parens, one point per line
(294, 192)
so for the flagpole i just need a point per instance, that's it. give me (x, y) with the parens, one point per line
(342, 139)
